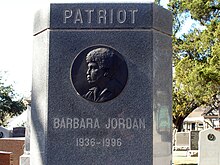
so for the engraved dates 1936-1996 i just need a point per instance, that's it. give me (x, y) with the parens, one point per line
(93, 142)
(99, 73)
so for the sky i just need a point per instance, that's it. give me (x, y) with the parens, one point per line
(16, 42)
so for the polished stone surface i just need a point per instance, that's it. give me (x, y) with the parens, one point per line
(68, 129)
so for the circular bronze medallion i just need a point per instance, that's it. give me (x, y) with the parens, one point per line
(99, 73)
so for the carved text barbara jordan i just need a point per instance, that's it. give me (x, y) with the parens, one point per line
(95, 123)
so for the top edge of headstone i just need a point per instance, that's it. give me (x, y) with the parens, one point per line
(129, 15)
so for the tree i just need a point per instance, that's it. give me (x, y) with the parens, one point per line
(9, 105)
(196, 57)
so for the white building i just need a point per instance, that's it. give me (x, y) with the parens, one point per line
(201, 118)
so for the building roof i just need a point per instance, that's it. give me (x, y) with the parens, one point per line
(196, 115)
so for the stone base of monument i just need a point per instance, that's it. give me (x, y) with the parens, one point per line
(25, 159)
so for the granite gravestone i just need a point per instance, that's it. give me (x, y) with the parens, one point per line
(102, 78)
(209, 142)
(182, 140)
(18, 132)
(194, 140)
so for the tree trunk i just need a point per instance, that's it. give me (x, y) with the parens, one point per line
(178, 122)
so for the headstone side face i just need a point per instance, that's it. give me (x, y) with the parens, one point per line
(209, 141)
(162, 96)
(41, 19)
(162, 21)
(39, 105)
(103, 90)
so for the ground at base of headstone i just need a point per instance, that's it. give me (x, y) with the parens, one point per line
(182, 158)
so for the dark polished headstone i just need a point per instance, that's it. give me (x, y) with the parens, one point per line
(102, 85)
(18, 132)
(194, 140)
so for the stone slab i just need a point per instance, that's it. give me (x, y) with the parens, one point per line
(24, 159)
(194, 140)
(182, 139)
(209, 142)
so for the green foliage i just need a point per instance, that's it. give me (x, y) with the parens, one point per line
(196, 57)
(9, 105)
(202, 10)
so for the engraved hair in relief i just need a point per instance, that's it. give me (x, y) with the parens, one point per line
(99, 73)
(103, 57)
(100, 76)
